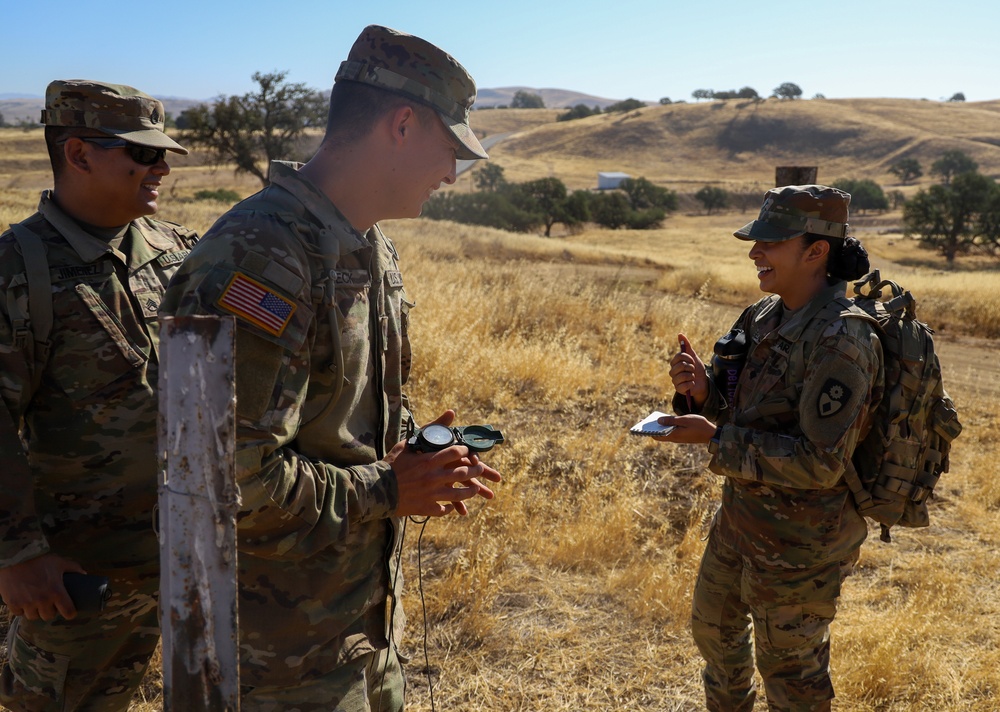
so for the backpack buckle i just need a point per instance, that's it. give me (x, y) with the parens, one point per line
(22, 333)
(919, 495)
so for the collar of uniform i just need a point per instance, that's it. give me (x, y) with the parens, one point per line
(88, 247)
(793, 328)
(91, 248)
(285, 174)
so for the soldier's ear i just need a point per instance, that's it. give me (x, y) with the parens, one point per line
(77, 155)
(817, 251)
(402, 122)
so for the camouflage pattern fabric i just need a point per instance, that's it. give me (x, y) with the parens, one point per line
(322, 354)
(794, 210)
(94, 662)
(413, 67)
(114, 109)
(790, 623)
(88, 486)
(373, 682)
(787, 515)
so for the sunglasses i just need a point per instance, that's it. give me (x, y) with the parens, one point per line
(143, 155)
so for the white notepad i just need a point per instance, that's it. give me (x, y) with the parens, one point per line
(649, 426)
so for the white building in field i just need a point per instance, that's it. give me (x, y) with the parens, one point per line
(608, 180)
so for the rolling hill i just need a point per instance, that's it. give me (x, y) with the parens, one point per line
(736, 142)
(553, 98)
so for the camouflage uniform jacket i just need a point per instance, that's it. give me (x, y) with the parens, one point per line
(88, 485)
(785, 445)
(321, 356)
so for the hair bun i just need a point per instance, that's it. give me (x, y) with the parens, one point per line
(852, 261)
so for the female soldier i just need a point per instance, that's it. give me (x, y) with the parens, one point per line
(787, 532)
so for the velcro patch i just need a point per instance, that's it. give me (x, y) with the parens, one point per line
(350, 277)
(257, 304)
(832, 397)
(81, 272)
(172, 258)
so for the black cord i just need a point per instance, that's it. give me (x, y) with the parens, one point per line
(423, 608)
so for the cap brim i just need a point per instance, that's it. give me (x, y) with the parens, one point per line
(147, 137)
(469, 147)
(759, 231)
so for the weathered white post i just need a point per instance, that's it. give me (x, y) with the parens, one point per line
(198, 502)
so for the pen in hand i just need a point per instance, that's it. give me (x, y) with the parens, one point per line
(687, 396)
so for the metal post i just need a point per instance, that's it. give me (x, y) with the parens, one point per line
(794, 175)
(198, 501)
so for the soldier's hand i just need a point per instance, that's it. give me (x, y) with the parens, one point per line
(438, 483)
(34, 588)
(687, 429)
(688, 373)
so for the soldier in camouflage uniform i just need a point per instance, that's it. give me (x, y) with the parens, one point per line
(81, 282)
(787, 532)
(322, 354)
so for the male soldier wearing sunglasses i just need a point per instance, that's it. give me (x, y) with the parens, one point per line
(80, 285)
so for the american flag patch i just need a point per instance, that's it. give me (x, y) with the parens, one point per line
(257, 304)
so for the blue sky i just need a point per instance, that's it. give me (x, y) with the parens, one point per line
(645, 49)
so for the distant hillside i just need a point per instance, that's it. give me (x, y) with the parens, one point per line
(553, 98)
(30, 108)
(742, 141)
(20, 107)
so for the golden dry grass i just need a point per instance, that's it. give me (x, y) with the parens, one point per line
(570, 591)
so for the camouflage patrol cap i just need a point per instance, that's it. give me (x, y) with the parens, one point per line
(114, 109)
(794, 210)
(412, 67)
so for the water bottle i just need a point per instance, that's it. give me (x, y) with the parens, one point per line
(729, 355)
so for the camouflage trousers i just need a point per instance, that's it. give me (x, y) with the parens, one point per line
(93, 663)
(788, 615)
(370, 683)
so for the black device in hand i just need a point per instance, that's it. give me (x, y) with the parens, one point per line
(89, 593)
(478, 438)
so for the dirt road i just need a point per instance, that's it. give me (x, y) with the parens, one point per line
(970, 364)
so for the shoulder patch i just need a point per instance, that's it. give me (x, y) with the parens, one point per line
(832, 397)
(260, 305)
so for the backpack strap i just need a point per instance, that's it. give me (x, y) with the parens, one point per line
(40, 311)
(862, 497)
(839, 308)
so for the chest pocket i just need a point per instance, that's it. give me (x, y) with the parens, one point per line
(767, 396)
(396, 323)
(97, 339)
(148, 285)
(352, 300)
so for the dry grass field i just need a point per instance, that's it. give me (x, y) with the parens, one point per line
(570, 590)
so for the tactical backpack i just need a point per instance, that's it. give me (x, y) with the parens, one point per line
(905, 450)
